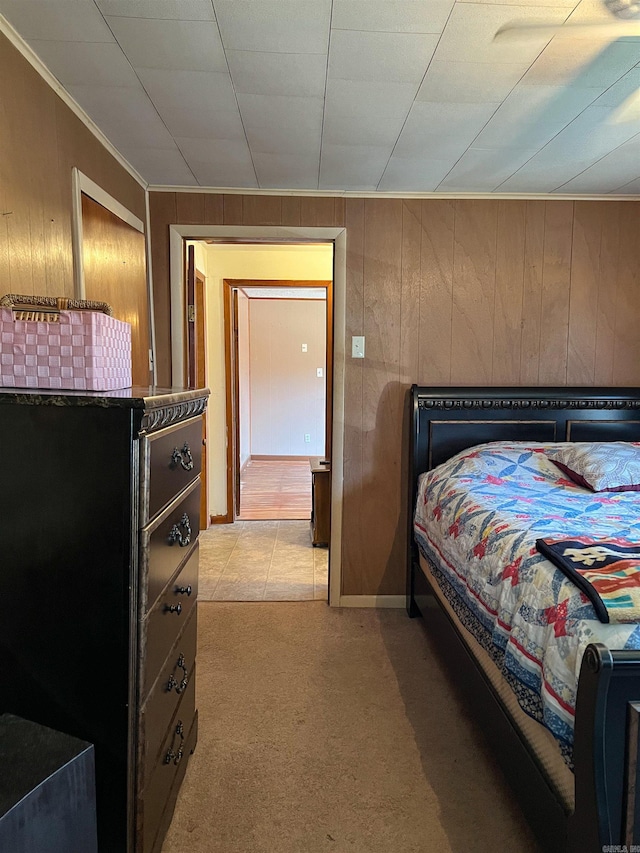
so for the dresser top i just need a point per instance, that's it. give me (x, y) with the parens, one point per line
(139, 397)
(155, 407)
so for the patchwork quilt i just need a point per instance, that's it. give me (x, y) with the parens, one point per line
(477, 520)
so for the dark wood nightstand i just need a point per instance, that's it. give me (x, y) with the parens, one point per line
(320, 500)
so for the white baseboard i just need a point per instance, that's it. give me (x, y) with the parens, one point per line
(387, 601)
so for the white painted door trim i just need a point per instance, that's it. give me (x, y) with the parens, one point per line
(338, 236)
(82, 184)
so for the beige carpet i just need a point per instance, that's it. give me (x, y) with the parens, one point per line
(334, 730)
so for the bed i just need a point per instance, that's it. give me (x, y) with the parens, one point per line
(569, 750)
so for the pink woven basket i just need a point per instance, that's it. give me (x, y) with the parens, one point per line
(49, 342)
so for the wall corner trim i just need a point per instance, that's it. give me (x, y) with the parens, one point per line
(382, 601)
(34, 60)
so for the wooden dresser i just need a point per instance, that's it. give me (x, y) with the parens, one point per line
(99, 521)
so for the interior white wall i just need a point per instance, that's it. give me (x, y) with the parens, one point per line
(287, 396)
(275, 262)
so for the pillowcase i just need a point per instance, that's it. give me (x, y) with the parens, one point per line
(612, 466)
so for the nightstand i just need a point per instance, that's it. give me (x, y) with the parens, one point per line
(320, 501)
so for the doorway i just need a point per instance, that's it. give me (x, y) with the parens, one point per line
(279, 382)
(282, 326)
(271, 236)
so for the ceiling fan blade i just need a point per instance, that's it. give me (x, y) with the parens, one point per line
(514, 31)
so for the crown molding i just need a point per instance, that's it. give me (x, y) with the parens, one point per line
(34, 60)
(160, 188)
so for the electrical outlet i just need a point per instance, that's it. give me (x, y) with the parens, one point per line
(307, 437)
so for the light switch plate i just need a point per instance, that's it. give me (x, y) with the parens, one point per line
(304, 347)
(319, 372)
(357, 346)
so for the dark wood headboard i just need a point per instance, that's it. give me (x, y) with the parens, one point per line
(445, 421)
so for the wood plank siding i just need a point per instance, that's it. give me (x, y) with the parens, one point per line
(445, 291)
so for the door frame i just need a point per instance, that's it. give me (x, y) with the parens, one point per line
(279, 234)
(196, 358)
(231, 286)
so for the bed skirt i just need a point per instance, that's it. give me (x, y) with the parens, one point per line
(540, 739)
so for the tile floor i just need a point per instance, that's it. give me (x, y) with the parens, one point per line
(261, 561)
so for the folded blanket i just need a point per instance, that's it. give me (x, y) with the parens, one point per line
(608, 572)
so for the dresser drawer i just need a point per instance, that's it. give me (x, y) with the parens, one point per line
(171, 459)
(167, 619)
(165, 543)
(165, 697)
(157, 802)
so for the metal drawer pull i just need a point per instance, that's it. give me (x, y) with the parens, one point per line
(176, 535)
(184, 590)
(182, 685)
(176, 756)
(185, 678)
(173, 608)
(182, 457)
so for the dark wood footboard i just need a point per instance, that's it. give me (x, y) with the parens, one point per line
(445, 421)
(605, 751)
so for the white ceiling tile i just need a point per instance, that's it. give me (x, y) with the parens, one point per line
(630, 188)
(209, 111)
(413, 174)
(352, 166)
(285, 26)
(482, 170)
(537, 179)
(367, 129)
(472, 26)
(179, 10)
(591, 134)
(532, 115)
(469, 82)
(391, 16)
(362, 99)
(63, 20)
(271, 110)
(126, 115)
(441, 131)
(387, 57)
(537, 173)
(297, 74)
(297, 142)
(622, 89)
(92, 64)
(282, 171)
(219, 162)
(180, 45)
(160, 166)
(608, 173)
(574, 62)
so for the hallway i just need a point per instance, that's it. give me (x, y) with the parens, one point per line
(275, 489)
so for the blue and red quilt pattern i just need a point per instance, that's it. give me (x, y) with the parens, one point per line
(477, 519)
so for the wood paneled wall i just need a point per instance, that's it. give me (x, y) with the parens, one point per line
(115, 271)
(41, 140)
(451, 292)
